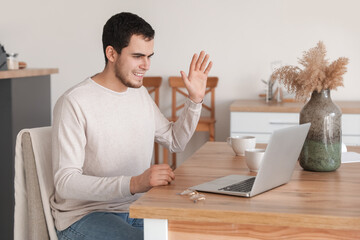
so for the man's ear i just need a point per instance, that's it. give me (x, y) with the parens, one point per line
(111, 54)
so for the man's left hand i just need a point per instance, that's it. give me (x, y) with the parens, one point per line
(195, 82)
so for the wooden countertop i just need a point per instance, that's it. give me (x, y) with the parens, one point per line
(27, 72)
(310, 200)
(259, 105)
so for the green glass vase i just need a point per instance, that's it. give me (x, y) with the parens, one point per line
(322, 148)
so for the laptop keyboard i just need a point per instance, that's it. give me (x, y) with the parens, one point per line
(243, 186)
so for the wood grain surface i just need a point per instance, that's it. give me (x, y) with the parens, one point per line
(311, 205)
(259, 105)
(29, 72)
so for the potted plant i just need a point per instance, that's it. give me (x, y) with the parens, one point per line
(314, 81)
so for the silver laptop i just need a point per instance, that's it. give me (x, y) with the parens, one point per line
(276, 169)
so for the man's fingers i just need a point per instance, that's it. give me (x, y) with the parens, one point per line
(161, 179)
(169, 175)
(207, 70)
(162, 166)
(163, 171)
(185, 79)
(199, 60)
(203, 64)
(193, 62)
(159, 182)
(166, 173)
(172, 175)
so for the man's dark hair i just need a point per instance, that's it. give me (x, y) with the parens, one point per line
(119, 29)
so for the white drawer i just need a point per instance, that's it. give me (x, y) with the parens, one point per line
(351, 140)
(351, 129)
(262, 123)
(350, 124)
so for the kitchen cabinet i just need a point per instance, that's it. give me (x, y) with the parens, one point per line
(259, 118)
(24, 103)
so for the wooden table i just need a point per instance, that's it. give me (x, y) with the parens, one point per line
(311, 206)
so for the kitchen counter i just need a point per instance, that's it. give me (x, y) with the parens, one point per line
(259, 105)
(25, 102)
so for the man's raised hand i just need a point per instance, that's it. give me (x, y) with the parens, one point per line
(195, 82)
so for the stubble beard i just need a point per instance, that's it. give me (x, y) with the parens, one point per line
(126, 82)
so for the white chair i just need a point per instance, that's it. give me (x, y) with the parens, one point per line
(34, 185)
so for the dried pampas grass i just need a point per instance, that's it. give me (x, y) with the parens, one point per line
(316, 75)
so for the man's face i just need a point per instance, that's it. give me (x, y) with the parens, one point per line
(134, 61)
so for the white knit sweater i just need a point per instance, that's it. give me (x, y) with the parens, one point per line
(101, 139)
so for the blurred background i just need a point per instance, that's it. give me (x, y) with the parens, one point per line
(243, 38)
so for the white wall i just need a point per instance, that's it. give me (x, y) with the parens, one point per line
(242, 37)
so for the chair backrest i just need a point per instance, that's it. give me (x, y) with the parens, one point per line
(153, 85)
(177, 84)
(34, 185)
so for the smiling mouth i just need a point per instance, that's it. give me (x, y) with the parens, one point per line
(139, 74)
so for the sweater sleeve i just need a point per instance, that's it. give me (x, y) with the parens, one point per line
(69, 141)
(175, 135)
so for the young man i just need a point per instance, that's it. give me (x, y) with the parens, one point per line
(103, 134)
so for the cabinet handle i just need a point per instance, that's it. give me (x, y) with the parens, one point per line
(284, 123)
(351, 135)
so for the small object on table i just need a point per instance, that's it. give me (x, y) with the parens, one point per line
(12, 63)
(22, 65)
